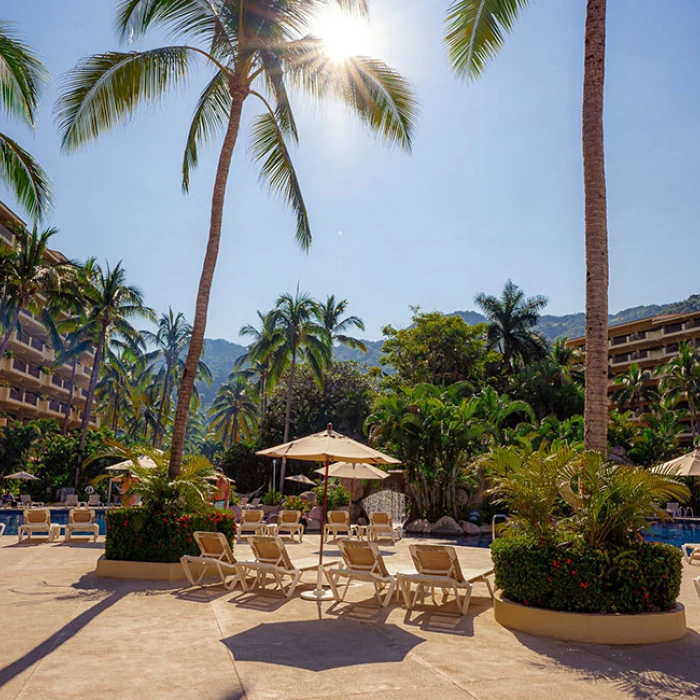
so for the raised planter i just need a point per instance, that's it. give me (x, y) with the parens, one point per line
(646, 628)
(140, 570)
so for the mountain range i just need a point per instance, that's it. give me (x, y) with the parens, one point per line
(220, 354)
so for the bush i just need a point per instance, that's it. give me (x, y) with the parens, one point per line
(297, 503)
(337, 495)
(272, 498)
(637, 578)
(141, 534)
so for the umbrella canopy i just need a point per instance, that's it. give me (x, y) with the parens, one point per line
(302, 479)
(685, 465)
(127, 464)
(353, 470)
(23, 476)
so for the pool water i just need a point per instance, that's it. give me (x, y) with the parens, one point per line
(675, 533)
(14, 518)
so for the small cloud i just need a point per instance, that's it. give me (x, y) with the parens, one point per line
(340, 233)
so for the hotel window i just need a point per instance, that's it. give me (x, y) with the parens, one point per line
(673, 328)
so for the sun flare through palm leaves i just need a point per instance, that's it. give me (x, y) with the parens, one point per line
(343, 34)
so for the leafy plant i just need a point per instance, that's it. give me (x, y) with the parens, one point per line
(297, 503)
(336, 497)
(272, 498)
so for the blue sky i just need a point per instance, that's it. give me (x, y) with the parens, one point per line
(492, 190)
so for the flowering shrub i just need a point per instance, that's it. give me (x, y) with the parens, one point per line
(141, 534)
(297, 503)
(572, 576)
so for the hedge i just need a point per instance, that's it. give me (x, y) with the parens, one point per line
(137, 534)
(643, 577)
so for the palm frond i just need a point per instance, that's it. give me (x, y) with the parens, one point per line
(22, 76)
(104, 91)
(475, 32)
(268, 147)
(25, 178)
(210, 115)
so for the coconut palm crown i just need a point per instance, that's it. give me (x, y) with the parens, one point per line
(252, 49)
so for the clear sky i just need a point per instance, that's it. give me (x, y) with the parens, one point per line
(492, 190)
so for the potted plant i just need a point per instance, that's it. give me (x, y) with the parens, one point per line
(271, 502)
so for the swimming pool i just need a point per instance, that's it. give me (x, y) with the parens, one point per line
(675, 533)
(14, 518)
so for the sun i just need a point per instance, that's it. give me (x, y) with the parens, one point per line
(343, 35)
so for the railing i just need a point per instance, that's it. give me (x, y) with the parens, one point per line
(495, 518)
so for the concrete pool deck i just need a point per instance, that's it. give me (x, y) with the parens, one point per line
(68, 634)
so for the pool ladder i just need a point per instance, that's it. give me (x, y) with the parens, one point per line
(684, 512)
(494, 520)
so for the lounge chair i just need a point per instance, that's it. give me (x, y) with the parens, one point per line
(272, 558)
(2, 529)
(437, 566)
(289, 522)
(691, 552)
(696, 581)
(364, 562)
(215, 558)
(253, 504)
(26, 502)
(36, 521)
(82, 520)
(672, 508)
(71, 501)
(381, 525)
(338, 523)
(251, 521)
(94, 501)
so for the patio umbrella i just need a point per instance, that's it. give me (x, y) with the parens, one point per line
(325, 447)
(685, 465)
(353, 470)
(127, 464)
(302, 479)
(23, 476)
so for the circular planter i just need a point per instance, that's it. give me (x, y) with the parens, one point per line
(646, 628)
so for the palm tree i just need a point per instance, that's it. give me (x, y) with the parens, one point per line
(635, 388)
(29, 278)
(680, 380)
(22, 76)
(258, 356)
(110, 305)
(475, 33)
(234, 411)
(299, 337)
(254, 51)
(121, 372)
(330, 315)
(511, 323)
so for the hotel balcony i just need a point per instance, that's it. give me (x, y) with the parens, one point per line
(30, 348)
(14, 399)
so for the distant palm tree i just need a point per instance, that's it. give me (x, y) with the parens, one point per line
(511, 324)
(29, 278)
(254, 49)
(121, 371)
(301, 338)
(22, 77)
(331, 316)
(257, 358)
(475, 34)
(635, 388)
(110, 305)
(234, 411)
(680, 381)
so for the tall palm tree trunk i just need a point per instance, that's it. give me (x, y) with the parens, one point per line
(596, 396)
(166, 389)
(10, 331)
(71, 393)
(194, 353)
(87, 411)
(288, 415)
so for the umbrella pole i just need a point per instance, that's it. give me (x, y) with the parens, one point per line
(319, 593)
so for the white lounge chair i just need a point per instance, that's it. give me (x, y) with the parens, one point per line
(691, 552)
(71, 501)
(81, 520)
(272, 558)
(437, 566)
(696, 581)
(26, 502)
(94, 501)
(289, 523)
(381, 525)
(215, 558)
(338, 523)
(364, 562)
(36, 521)
(2, 529)
(251, 521)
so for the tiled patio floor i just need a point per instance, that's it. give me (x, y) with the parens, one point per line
(65, 634)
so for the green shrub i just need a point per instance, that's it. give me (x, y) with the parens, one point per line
(571, 576)
(337, 495)
(141, 534)
(272, 498)
(297, 503)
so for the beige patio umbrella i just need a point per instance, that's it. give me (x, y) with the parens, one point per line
(353, 470)
(302, 479)
(23, 476)
(685, 465)
(127, 464)
(325, 447)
